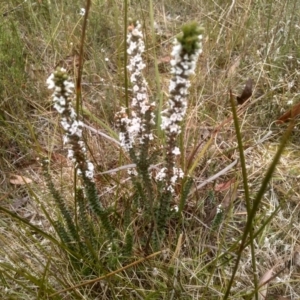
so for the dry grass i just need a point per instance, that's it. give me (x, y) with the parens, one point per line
(243, 39)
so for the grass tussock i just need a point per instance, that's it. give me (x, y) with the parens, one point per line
(121, 227)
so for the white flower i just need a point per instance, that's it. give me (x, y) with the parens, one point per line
(170, 189)
(65, 139)
(64, 123)
(219, 209)
(175, 208)
(75, 128)
(135, 128)
(61, 101)
(82, 11)
(176, 151)
(72, 127)
(60, 109)
(89, 173)
(155, 272)
(70, 153)
(161, 174)
(69, 86)
(132, 172)
(50, 82)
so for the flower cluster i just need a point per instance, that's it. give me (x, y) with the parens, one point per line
(185, 55)
(135, 130)
(162, 176)
(138, 126)
(63, 90)
(127, 130)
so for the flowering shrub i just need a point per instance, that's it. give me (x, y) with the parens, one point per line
(136, 130)
(136, 126)
(185, 54)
